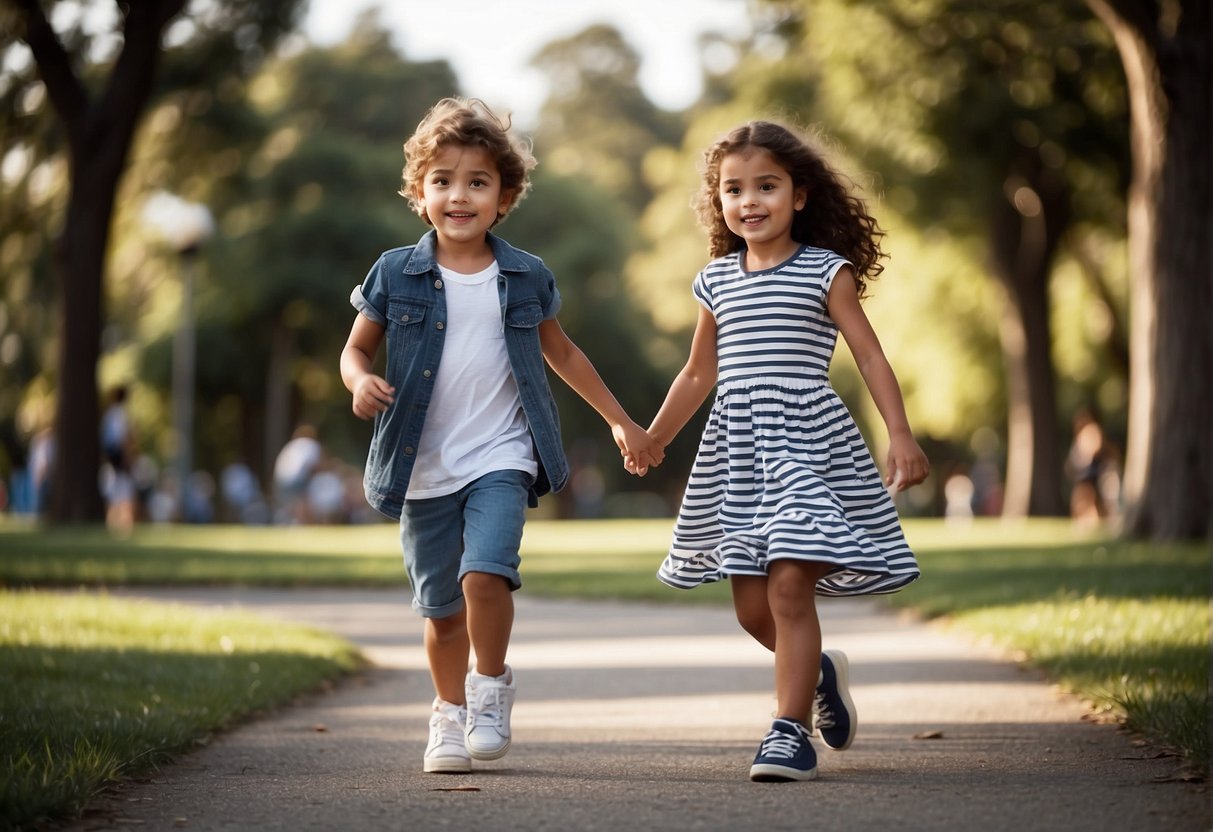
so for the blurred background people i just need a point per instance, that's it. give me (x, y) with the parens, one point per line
(293, 469)
(118, 448)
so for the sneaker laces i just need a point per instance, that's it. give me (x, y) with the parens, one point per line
(825, 716)
(448, 724)
(488, 710)
(779, 744)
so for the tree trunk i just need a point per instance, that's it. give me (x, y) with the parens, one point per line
(1166, 53)
(1025, 227)
(278, 386)
(99, 134)
(80, 257)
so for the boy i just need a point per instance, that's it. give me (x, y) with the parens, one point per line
(466, 431)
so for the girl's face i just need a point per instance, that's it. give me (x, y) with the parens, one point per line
(461, 194)
(759, 199)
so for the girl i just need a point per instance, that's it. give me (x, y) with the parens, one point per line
(784, 498)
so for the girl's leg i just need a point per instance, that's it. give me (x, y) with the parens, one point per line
(792, 596)
(446, 648)
(753, 609)
(490, 620)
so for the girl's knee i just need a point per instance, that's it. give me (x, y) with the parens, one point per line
(792, 587)
(755, 622)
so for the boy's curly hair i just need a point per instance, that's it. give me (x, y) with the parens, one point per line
(832, 217)
(468, 122)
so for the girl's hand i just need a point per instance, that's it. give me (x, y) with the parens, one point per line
(372, 395)
(906, 464)
(639, 465)
(637, 448)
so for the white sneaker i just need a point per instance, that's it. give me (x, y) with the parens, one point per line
(445, 753)
(490, 700)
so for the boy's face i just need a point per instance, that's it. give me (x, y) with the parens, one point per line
(461, 193)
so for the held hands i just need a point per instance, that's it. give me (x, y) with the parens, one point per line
(906, 464)
(372, 395)
(640, 451)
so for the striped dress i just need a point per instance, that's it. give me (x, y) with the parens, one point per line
(782, 470)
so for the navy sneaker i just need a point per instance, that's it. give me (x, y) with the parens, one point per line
(785, 754)
(834, 714)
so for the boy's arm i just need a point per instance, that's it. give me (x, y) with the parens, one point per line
(372, 394)
(575, 369)
(692, 384)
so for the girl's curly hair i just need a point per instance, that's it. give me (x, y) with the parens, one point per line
(468, 122)
(832, 217)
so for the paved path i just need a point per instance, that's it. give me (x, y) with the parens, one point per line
(644, 717)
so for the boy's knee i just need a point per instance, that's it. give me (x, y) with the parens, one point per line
(482, 586)
(451, 627)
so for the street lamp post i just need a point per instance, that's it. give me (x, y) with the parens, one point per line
(186, 226)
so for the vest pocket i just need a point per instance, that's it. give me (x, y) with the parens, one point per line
(525, 315)
(405, 313)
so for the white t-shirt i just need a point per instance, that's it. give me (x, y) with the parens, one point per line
(475, 423)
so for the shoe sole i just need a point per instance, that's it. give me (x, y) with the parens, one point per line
(491, 754)
(769, 773)
(447, 765)
(842, 671)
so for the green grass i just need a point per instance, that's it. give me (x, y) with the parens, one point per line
(1125, 626)
(98, 689)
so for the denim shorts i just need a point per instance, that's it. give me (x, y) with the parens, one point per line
(476, 529)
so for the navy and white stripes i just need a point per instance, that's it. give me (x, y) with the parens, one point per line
(782, 470)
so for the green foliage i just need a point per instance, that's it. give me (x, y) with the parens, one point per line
(959, 87)
(102, 689)
(314, 204)
(597, 124)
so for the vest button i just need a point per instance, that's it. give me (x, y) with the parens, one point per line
(409, 450)
(437, 284)
(427, 374)
(439, 325)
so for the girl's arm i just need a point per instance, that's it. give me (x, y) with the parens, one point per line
(372, 394)
(692, 384)
(575, 369)
(906, 462)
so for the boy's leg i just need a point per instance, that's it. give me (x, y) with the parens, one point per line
(493, 517)
(432, 541)
(430, 535)
(490, 620)
(447, 649)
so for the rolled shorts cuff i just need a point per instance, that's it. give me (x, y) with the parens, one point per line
(492, 568)
(443, 611)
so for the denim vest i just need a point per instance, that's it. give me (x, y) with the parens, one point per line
(404, 294)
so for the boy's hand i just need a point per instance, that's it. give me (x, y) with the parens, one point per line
(639, 465)
(906, 464)
(372, 395)
(637, 448)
